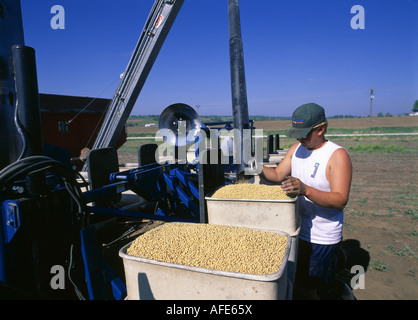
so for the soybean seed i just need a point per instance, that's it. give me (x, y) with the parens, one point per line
(217, 247)
(251, 191)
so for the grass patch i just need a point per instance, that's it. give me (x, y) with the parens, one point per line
(374, 130)
(406, 251)
(407, 198)
(413, 233)
(357, 213)
(362, 200)
(413, 213)
(128, 147)
(380, 265)
(150, 135)
(382, 215)
(370, 148)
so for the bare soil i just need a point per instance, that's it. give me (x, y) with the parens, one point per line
(383, 193)
(381, 224)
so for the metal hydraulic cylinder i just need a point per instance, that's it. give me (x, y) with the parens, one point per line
(11, 31)
(238, 85)
(27, 100)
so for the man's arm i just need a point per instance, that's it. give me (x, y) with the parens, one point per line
(282, 170)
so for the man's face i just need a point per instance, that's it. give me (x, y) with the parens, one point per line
(313, 140)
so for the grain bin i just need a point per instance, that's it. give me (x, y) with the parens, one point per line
(266, 214)
(148, 279)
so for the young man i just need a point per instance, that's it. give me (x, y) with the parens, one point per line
(319, 172)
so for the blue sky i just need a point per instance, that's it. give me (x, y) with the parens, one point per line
(295, 52)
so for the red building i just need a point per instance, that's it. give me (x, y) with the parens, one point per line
(86, 115)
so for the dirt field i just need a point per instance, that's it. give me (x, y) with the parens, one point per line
(383, 193)
(381, 219)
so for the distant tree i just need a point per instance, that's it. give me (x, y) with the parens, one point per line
(415, 108)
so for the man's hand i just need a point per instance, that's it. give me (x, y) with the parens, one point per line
(293, 186)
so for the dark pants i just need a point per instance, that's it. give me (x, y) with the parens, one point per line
(316, 266)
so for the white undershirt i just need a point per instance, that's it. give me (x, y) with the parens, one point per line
(319, 225)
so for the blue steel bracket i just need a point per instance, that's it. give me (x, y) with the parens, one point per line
(184, 177)
(145, 180)
(105, 191)
(101, 279)
(11, 218)
(179, 190)
(153, 182)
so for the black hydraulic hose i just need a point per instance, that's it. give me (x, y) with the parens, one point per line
(17, 166)
(30, 165)
(26, 166)
(37, 164)
(21, 130)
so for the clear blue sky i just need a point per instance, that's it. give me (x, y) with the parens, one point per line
(295, 52)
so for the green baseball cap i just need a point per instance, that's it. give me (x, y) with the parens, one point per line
(304, 119)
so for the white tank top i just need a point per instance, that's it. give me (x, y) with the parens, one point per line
(318, 224)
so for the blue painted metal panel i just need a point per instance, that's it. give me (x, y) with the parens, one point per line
(100, 277)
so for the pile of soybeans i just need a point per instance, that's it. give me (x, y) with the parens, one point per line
(251, 191)
(217, 247)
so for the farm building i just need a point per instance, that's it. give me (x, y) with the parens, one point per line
(84, 114)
